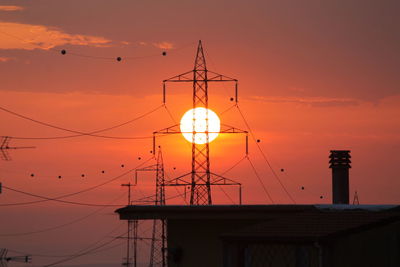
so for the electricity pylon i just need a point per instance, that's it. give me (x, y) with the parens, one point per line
(4, 147)
(158, 249)
(201, 178)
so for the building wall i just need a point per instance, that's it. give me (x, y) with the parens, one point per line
(197, 243)
(375, 247)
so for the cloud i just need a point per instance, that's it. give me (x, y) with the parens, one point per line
(11, 8)
(5, 59)
(164, 45)
(30, 37)
(310, 101)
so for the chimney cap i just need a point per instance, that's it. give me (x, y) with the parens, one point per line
(340, 159)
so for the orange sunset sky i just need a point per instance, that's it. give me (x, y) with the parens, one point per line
(313, 76)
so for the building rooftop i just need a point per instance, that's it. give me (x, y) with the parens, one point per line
(276, 221)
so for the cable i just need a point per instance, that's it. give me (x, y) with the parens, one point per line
(220, 187)
(169, 113)
(226, 110)
(58, 199)
(226, 171)
(78, 133)
(260, 180)
(234, 165)
(64, 52)
(70, 255)
(90, 251)
(62, 225)
(265, 157)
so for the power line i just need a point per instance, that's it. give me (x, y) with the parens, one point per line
(90, 251)
(65, 52)
(58, 199)
(61, 225)
(225, 172)
(265, 157)
(260, 180)
(106, 236)
(219, 186)
(79, 133)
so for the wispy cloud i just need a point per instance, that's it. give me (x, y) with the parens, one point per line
(311, 101)
(5, 59)
(11, 8)
(164, 45)
(29, 37)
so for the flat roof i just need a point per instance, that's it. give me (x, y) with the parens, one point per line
(277, 222)
(149, 212)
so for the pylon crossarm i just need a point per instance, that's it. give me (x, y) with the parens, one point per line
(184, 77)
(230, 129)
(226, 181)
(148, 168)
(139, 238)
(178, 181)
(169, 130)
(216, 77)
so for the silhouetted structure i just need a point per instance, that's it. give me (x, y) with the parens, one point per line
(340, 165)
(278, 235)
(201, 178)
(158, 248)
(132, 235)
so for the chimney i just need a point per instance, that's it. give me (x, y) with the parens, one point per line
(340, 165)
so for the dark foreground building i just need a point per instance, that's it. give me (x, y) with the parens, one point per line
(278, 235)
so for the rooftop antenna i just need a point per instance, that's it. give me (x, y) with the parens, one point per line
(158, 249)
(4, 258)
(200, 178)
(355, 199)
(4, 147)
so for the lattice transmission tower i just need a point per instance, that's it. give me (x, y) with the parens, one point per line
(200, 178)
(158, 249)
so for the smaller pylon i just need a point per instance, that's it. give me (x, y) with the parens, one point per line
(158, 249)
(355, 199)
(4, 147)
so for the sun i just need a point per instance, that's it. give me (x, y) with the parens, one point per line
(200, 125)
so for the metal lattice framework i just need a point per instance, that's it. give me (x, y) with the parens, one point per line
(158, 249)
(201, 178)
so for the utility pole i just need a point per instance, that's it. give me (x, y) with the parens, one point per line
(131, 234)
(200, 178)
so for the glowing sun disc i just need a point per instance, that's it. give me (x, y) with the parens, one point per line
(200, 125)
